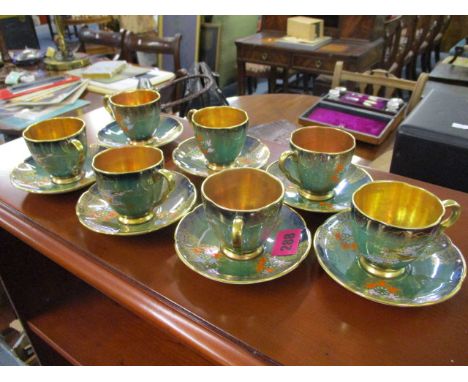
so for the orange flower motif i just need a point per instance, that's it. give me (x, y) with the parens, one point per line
(339, 168)
(383, 284)
(261, 265)
(349, 246)
(218, 255)
(326, 204)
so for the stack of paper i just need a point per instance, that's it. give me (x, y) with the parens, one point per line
(127, 79)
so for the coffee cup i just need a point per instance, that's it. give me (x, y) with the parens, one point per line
(131, 179)
(59, 146)
(220, 132)
(318, 159)
(393, 222)
(242, 207)
(137, 113)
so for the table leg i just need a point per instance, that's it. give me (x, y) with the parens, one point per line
(241, 77)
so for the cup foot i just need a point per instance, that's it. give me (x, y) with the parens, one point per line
(375, 270)
(217, 167)
(132, 221)
(245, 256)
(71, 179)
(314, 197)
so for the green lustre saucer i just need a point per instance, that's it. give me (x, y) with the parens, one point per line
(354, 178)
(29, 176)
(169, 129)
(198, 248)
(94, 212)
(434, 277)
(188, 157)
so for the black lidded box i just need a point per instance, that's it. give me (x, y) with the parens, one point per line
(428, 147)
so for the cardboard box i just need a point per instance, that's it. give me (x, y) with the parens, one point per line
(305, 28)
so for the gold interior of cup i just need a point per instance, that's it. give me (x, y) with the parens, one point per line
(54, 129)
(243, 189)
(398, 204)
(127, 159)
(323, 140)
(220, 117)
(137, 97)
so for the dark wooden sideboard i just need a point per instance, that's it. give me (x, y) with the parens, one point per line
(356, 40)
(91, 299)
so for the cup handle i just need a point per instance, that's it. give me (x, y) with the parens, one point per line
(237, 228)
(282, 165)
(79, 147)
(454, 215)
(170, 183)
(105, 102)
(190, 114)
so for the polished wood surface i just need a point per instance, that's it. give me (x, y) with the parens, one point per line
(301, 318)
(264, 48)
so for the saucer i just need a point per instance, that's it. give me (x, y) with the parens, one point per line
(354, 178)
(198, 248)
(188, 157)
(434, 277)
(29, 176)
(113, 136)
(94, 212)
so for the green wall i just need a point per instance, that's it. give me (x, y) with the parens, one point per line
(232, 28)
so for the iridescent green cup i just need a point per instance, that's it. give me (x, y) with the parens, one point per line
(242, 207)
(318, 159)
(131, 179)
(59, 146)
(220, 132)
(137, 112)
(392, 223)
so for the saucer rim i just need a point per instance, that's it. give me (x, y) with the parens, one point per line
(246, 282)
(377, 300)
(187, 211)
(78, 186)
(322, 211)
(181, 167)
(179, 128)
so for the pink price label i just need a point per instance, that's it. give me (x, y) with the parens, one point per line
(286, 242)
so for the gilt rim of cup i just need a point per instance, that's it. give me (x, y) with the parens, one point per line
(280, 198)
(436, 222)
(161, 160)
(225, 127)
(134, 91)
(353, 147)
(79, 131)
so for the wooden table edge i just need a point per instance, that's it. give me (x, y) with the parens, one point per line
(213, 345)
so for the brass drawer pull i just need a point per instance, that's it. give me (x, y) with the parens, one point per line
(318, 63)
(264, 56)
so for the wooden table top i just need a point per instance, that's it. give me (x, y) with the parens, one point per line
(302, 318)
(338, 47)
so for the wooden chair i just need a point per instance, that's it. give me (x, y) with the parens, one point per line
(423, 25)
(392, 52)
(101, 38)
(151, 43)
(381, 82)
(391, 46)
(439, 36)
(426, 47)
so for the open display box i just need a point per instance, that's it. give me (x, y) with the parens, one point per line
(371, 125)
